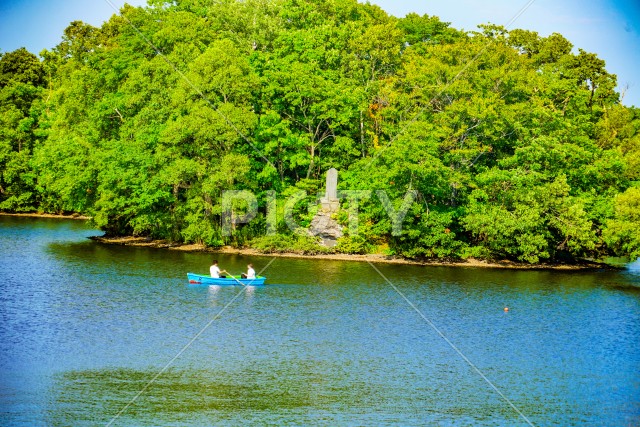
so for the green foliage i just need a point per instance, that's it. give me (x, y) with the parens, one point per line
(523, 217)
(20, 66)
(515, 146)
(426, 29)
(436, 234)
(353, 245)
(289, 243)
(622, 232)
(21, 87)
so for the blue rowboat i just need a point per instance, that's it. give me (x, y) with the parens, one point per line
(199, 279)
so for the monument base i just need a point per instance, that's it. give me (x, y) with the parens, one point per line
(329, 205)
(326, 228)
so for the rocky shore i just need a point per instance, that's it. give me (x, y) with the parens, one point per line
(375, 258)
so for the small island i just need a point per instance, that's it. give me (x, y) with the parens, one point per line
(216, 131)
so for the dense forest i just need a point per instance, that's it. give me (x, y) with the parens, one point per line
(517, 145)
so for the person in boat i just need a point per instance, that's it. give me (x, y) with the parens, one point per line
(250, 274)
(216, 272)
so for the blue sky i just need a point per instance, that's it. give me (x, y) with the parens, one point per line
(609, 28)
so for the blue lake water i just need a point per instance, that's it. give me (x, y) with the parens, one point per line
(92, 334)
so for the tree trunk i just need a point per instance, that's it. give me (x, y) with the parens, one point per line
(361, 135)
(313, 152)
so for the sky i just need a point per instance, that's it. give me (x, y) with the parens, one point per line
(609, 28)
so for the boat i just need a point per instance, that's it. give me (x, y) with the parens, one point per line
(199, 279)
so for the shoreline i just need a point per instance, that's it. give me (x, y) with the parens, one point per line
(45, 215)
(373, 258)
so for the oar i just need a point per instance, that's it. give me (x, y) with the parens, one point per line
(252, 280)
(239, 282)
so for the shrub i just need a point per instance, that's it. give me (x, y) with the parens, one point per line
(287, 243)
(353, 245)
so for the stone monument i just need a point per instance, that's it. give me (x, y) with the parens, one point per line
(323, 225)
(330, 202)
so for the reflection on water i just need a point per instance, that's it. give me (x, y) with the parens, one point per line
(257, 395)
(84, 327)
(213, 292)
(180, 395)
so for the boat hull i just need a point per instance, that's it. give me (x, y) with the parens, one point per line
(199, 279)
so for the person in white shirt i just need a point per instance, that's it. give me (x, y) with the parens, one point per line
(251, 273)
(216, 272)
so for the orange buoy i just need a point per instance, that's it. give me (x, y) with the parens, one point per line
(506, 309)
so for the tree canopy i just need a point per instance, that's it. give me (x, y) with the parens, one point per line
(516, 146)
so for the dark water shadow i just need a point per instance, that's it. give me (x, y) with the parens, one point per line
(301, 393)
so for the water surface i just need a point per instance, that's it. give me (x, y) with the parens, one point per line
(86, 327)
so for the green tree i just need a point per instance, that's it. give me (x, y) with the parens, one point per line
(621, 232)
(513, 145)
(21, 88)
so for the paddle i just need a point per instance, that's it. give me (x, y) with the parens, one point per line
(243, 284)
(239, 282)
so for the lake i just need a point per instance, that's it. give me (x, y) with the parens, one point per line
(92, 334)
